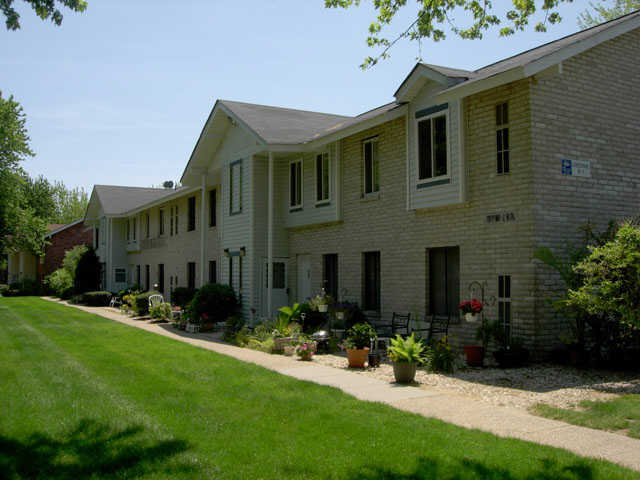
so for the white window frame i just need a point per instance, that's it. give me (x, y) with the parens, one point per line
(504, 300)
(325, 158)
(115, 274)
(301, 203)
(503, 126)
(373, 193)
(441, 113)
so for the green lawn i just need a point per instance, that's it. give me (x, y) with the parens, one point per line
(85, 397)
(620, 415)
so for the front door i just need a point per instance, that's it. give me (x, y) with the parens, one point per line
(304, 278)
(279, 288)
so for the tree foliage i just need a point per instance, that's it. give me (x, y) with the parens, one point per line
(45, 9)
(605, 11)
(611, 275)
(87, 273)
(433, 15)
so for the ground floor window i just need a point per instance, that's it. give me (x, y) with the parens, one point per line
(191, 275)
(161, 277)
(444, 281)
(213, 276)
(504, 303)
(121, 275)
(138, 275)
(371, 281)
(147, 277)
(330, 274)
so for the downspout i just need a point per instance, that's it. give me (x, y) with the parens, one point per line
(270, 237)
(203, 229)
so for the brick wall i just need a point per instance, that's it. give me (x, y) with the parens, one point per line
(589, 111)
(404, 237)
(68, 238)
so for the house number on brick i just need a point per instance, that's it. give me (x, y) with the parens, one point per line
(576, 168)
(503, 217)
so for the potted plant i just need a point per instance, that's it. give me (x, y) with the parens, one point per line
(322, 301)
(357, 344)
(470, 309)
(304, 351)
(405, 355)
(475, 353)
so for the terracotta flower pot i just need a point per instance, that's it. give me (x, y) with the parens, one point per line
(404, 372)
(475, 355)
(357, 358)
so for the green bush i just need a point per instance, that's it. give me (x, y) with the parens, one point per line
(67, 293)
(3, 288)
(161, 311)
(59, 281)
(182, 296)
(439, 357)
(97, 299)
(214, 302)
(141, 302)
(87, 272)
(360, 336)
(26, 287)
(232, 326)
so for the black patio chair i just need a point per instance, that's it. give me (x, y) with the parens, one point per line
(438, 326)
(399, 325)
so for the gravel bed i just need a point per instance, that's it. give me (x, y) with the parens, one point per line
(555, 385)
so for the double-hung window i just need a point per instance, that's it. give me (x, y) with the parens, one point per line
(135, 227)
(128, 230)
(235, 187)
(161, 222)
(212, 208)
(371, 167)
(173, 220)
(295, 184)
(147, 230)
(322, 178)
(502, 137)
(432, 147)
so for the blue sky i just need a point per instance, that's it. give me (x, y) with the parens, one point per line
(118, 95)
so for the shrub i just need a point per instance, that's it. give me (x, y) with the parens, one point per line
(161, 311)
(59, 281)
(72, 257)
(97, 299)
(3, 288)
(25, 288)
(215, 301)
(439, 357)
(87, 272)
(67, 293)
(182, 296)
(232, 326)
(141, 302)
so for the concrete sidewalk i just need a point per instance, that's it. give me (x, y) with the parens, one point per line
(462, 411)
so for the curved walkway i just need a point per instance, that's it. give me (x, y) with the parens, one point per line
(502, 421)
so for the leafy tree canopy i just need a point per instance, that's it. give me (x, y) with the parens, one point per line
(605, 11)
(45, 9)
(433, 15)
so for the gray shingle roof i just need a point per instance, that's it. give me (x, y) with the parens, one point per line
(277, 125)
(116, 200)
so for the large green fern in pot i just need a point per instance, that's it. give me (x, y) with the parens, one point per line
(407, 349)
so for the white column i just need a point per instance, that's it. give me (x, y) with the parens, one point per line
(270, 238)
(203, 230)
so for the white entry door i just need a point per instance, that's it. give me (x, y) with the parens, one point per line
(279, 287)
(304, 278)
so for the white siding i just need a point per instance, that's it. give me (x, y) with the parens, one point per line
(436, 195)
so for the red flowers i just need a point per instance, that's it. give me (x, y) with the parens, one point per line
(473, 306)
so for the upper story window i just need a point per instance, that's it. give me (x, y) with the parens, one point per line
(97, 237)
(147, 225)
(161, 222)
(128, 230)
(212, 207)
(432, 147)
(371, 164)
(235, 187)
(135, 227)
(192, 214)
(173, 220)
(322, 177)
(502, 137)
(295, 184)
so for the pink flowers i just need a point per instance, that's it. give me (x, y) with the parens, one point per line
(474, 306)
(205, 316)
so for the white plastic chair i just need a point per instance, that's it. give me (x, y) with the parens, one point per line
(155, 300)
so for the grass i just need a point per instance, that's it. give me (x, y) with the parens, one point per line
(83, 397)
(621, 414)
